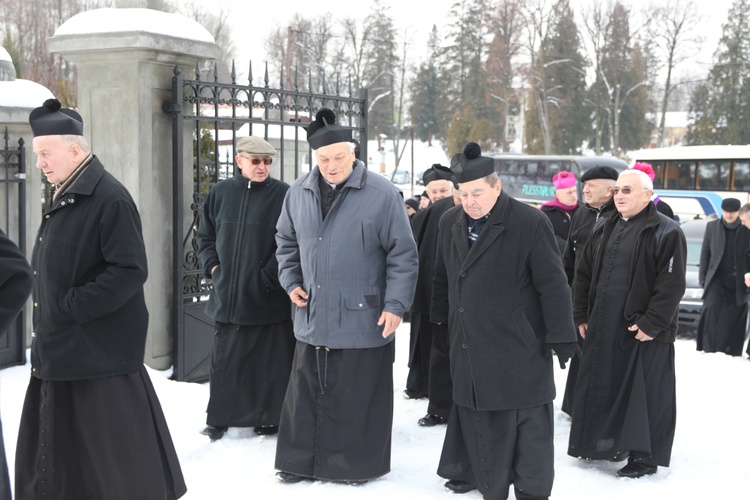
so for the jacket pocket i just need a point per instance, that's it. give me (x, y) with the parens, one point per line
(523, 329)
(360, 309)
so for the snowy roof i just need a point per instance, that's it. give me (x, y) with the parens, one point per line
(21, 93)
(134, 20)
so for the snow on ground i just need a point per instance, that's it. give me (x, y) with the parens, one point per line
(709, 458)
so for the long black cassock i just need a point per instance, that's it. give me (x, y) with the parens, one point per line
(625, 390)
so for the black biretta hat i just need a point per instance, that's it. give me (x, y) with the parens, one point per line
(471, 165)
(52, 119)
(436, 172)
(324, 131)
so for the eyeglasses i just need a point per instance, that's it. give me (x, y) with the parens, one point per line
(257, 161)
(624, 190)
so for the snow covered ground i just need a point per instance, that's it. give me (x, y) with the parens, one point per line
(709, 459)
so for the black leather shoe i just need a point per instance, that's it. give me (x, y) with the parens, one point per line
(431, 420)
(289, 478)
(266, 430)
(620, 456)
(215, 433)
(415, 394)
(634, 470)
(457, 486)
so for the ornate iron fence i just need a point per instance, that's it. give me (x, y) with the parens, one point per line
(207, 119)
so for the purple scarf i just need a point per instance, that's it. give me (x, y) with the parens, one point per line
(554, 202)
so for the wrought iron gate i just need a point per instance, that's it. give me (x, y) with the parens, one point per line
(12, 178)
(207, 119)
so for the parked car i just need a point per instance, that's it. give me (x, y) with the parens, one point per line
(692, 302)
(401, 177)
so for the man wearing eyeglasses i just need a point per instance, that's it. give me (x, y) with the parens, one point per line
(253, 339)
(626, 293)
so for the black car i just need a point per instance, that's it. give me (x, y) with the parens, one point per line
(692, 302)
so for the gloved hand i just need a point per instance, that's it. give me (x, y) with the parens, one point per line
(440, 338)
(565, 351)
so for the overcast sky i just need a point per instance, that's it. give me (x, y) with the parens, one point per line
(252, 23)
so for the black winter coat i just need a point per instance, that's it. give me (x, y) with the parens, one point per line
(503, 300)
(15, 282)
(657, 275)
(561, 221)
(89, 262)
(237, 232)
(427, 246)
(580, 229)
(712, 252)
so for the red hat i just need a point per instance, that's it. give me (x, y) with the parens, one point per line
(646, 169)
(564, 180)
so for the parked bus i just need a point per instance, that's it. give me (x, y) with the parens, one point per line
(528, 178)
(695, 179)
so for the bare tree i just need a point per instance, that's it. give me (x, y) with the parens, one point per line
(504, 23)
(672, 30)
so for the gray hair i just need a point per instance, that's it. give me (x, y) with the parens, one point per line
(646, 181)
(78, 140)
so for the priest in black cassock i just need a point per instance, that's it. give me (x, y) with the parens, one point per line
(91, 424)
(723, 320)
(427, 362)
(626, 293)
(501, 297)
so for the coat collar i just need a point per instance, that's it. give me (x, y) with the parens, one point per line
(493, 229)
(356, 179)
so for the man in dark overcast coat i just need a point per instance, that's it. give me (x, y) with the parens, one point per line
(15, 287)
(501, 296)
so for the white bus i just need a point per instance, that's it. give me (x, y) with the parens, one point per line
(695, 179)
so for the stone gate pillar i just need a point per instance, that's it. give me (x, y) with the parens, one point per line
(125, 59)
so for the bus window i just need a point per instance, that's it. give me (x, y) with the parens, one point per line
(741, 178)
(680, 175)
(713, 175)
(658, 167)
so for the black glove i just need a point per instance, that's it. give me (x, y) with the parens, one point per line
(440, 337)
(565, 351)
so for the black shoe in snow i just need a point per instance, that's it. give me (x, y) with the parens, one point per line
(266, 430)
(214, 433)
(289, 478)
(431, 420)
(461, 487)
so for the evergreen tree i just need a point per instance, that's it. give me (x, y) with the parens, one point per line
(381, 70)
(463, 59)
(427, 97)
(721, 109)
(561, 88)
(505, 27)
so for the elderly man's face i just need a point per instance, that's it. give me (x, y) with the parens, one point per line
(335, 161)
(597, 192)
(567, 196)
(55, 157)
(745, 219)
(730, 217)
(255, 168)
(630, 196)
(439, 189)
(478, 197)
